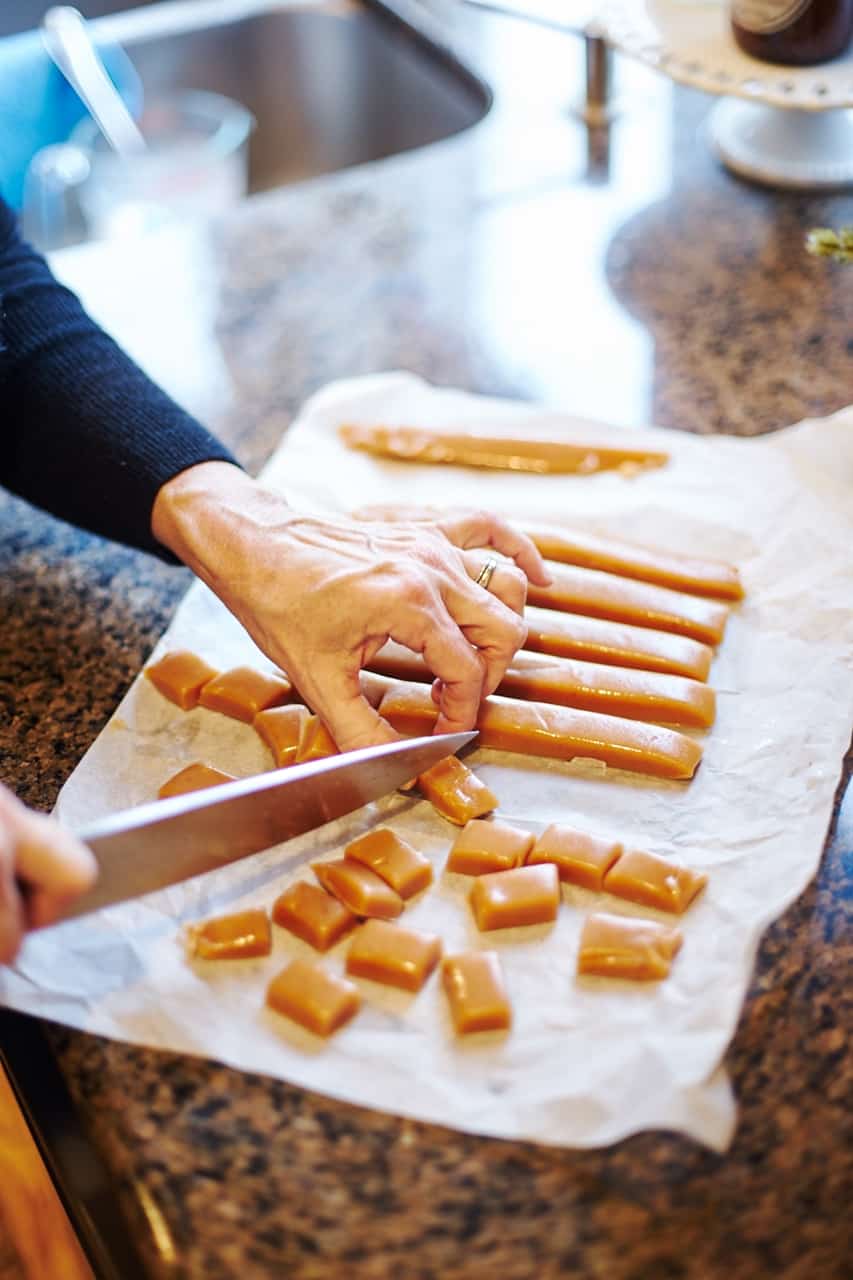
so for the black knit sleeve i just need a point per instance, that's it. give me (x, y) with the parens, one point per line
(86, 434)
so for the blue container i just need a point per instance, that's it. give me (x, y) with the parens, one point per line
(38, 107)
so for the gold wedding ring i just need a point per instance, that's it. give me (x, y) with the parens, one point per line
(484, 577)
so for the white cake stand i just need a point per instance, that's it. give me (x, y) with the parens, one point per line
(782, 126)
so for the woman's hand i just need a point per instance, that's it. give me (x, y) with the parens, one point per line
(473, 527)
(43, 867)
(321, 596)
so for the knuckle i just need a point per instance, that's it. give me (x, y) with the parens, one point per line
(519, 631)
(469, 666)
(512, 631)
(418, 588)
(459, 708)
(484, 518)
(516, 589)
(434, 550)
(398, 578)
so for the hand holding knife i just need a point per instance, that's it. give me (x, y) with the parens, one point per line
(155, 845)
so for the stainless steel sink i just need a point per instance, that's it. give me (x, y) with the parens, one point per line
(330, 84)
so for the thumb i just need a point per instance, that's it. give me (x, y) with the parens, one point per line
(53, 865)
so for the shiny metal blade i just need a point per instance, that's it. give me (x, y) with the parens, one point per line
(155, 845)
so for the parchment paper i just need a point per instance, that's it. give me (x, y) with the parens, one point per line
(588, 1061)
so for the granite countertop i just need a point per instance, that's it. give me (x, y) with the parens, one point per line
(640, 283)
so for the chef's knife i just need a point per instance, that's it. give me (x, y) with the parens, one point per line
(158, 844)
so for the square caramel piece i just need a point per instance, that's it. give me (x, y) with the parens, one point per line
(474, 984)
(318, 1000)
(358, 888)
(242, 692)
(485, 846)
(395, 860)
(313, 915)
(316, 742)
(398, 957)
(526, 895)
(455, 792)
(281, 729)
(653, 881)
(193, 777)
(626, 947)
(580, 858)
(234, 937)
(180, 676)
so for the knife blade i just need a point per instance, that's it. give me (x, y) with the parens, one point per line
(155, 845)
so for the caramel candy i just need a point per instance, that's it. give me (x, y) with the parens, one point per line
(180, 676)
(398, 957)
(649, 564)
(452, 789)
(562, 733)
(234, 937)
(316, 999)
(483, 847)
(653, 881)
(313, 915)
(587, 686)
(399, 864)
(580, 858)
(615, 644)
(603, 595)
(476, 992)
(472, 446)
(637, 695)
(242, 692)
(281, 729)
(316, 742)
(194, 777)
(625, 947)
(359, 888)
(526, 895)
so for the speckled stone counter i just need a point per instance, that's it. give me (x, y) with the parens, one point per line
(517, 261)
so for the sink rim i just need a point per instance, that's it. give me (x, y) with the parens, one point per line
(167, 17)
(406, 26)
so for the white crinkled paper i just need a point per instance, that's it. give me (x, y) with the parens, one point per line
(587, 1062)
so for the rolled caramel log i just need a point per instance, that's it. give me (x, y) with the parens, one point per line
(637, 695)
(595, 450)
(616, 644)
(603, 595)
(648, 564)
(560, 733)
